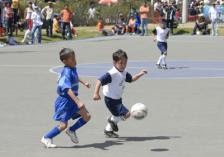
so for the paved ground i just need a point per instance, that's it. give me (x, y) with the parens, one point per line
(185, 115)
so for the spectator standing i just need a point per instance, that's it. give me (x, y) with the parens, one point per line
(48, 14)
(171, 12)
(66, 17)
(91, 15)
(15, 7)
(213, 16)
(144, 13)
(8, 18)
(37, 24)
(27, 14)
(157, 6)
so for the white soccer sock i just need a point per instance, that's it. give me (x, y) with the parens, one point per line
(159, 61)
(26, 35)
(108, 127)
(115, 119)
(164, 59)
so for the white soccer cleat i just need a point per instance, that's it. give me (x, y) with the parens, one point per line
(72, 136)
(47, 142)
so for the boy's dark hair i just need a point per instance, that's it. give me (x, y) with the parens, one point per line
(65, 53)
(119, 54)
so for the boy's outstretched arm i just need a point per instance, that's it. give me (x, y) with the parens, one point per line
(96, 95)
(103, 80)
(140, 74)
(154, 33)
(84, 83)
(75, 98)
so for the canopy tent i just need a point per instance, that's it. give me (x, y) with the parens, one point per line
(107, 2)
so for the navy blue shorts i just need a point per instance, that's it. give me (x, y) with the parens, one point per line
(115, 106)
(162, 47)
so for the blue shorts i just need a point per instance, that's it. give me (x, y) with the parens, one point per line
(115, 106)
(162, 47)
(65, 109)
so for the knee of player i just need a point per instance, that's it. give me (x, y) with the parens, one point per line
(87, 117)
(63, 126)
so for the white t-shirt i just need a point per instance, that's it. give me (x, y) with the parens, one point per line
(28, 13)
(157, 6)
(213, 13)
(115, 88)
(91, 12)
(162, 34)
(36, 17)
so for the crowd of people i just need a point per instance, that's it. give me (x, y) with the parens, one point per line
(136, 22)
(209, 15)
(138, 19)
(34, 20)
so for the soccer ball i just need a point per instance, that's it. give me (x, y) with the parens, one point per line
(198, 33)
(139, 111)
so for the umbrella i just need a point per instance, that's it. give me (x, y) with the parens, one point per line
(107, 2)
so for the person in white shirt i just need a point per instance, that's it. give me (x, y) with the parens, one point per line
(213, 15)
(48, 14)
(37, 24)
(157, 6)
(113, 83)
(161, 34)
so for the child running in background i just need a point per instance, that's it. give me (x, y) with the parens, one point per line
(161, 34)
(68, 105)
(113, 83)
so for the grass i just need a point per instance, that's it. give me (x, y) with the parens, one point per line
(92, 32)
(83, 33)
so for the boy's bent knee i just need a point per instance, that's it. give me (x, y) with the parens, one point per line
(87, 117)
(63, 126)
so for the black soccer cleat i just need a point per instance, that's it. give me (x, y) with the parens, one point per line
(158, 66)
(110, 134)
(164, 67)
(113, 125)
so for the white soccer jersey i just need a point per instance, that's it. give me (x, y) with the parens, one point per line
(162, 34)
(115, 88)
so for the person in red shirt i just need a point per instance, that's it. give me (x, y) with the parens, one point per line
(66, 17)
(100, 25)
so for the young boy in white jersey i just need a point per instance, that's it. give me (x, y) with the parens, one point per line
(113, 83)
(161, 34)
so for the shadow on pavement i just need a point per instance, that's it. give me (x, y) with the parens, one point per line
(120, 141)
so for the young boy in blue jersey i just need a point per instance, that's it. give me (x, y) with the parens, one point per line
(161, 34)
(113, 83)
(68, 105)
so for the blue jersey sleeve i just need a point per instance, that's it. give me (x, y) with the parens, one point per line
(64, 82)
(128, 77)
(105, 79)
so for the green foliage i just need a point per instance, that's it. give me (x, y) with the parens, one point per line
(80, 8)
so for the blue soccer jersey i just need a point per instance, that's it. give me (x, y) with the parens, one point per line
(65, 107)
(68, 79)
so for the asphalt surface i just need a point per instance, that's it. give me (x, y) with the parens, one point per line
(185, 115)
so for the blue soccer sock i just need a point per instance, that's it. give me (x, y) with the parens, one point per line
(78, 124)
(54, 132)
